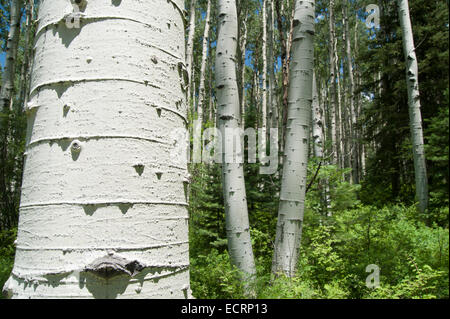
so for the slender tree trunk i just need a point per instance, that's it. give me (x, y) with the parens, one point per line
(339, 118)
(6, 98)
(243, 68)
(273, 105)
(351, 99)
(317, 116)
(415, 116)
(12, 42)
(264, 72)
(25, 70)
(237, 223)
(190, 49)
(293, 186)
(332, 95)
(103, 210)
(285, 42)
(202, 90)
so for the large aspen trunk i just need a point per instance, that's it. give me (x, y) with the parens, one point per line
(103, 211)
(202, 89)
(293, 186)
(415, 116)
(236, 212)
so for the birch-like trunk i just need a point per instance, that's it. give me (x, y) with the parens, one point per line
(339, 132)
(103, 212)
(332, 95)
(351, 88)
(237, 223)
(264, 74)
(190, 48)
(317, 121)
(273, 105)
(202, 90)
(415, 116)
(243, 69)
(293, 186)
(9, 72)
(6, 98)
(27, 55)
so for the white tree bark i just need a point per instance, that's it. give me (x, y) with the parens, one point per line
(273, 105)
(415, 116)
(237, 223)
(243, 58)
(354, 136)
(202, 91)
(103, 210)
(25, 70)
(332, 95)
(12, 42)
(190, 48)
(317, 122)
(264, 75)
(293, 186)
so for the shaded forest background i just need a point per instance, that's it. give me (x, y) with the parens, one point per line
(367, 213)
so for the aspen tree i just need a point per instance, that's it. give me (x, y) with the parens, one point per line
(103, 210)
(415, 116)
(202, 89)
(190, 48)
(293, 185)
(236, 211)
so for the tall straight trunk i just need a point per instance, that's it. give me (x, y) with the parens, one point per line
(415, 116)
(202, 90)
(190, 49)
(293, 186)
(12, 42)
(6, 98)
(103, 211)
(317, 122)
(273, 105)
(359, 130)
(243, 58)
(351, 99)
(264, 72)
(339, 118)
(285, 42)
(25, 70)
(332, 95)
(237, 223)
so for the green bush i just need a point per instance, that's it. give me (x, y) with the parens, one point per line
(7, 251)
